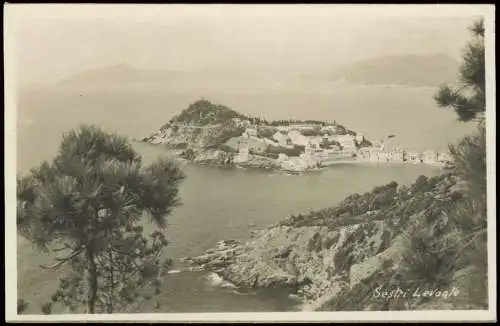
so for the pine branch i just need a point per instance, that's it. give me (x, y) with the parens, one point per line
(61, 261)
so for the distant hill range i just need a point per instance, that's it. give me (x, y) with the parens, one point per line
(122, 74)
(404, 70)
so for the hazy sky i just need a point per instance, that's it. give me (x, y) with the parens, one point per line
(51, 44)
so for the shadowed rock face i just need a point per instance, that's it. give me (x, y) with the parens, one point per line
(330, 254)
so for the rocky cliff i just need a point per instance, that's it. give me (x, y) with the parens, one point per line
(351, 256)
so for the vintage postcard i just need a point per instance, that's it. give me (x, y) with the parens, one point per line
(262, 163)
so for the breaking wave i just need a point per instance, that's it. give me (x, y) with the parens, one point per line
(216, 280)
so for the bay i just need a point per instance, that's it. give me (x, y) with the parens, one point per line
(228, 203)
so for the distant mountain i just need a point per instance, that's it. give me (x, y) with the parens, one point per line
(125, 74)
(122, 74)
(404, 70)
(408, 70)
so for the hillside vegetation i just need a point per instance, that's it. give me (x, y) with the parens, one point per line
(203, 112)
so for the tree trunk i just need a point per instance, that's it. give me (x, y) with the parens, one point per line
(111, 283)
(92, 294)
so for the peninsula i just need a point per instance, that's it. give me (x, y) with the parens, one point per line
(209, 133)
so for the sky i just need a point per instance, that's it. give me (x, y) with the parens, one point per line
(54, 42)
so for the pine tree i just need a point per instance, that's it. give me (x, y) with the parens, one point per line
(468, 218)
(87, 205)
(435, 256)
(469, 102)
(468, 98)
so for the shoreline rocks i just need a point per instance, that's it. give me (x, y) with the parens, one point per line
(330, 255)
(216, 258)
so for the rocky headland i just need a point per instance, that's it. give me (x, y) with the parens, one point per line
(370, 252)
(208, 133)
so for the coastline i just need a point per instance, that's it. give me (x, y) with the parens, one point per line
(210, 133)
(276, 168)
(325, 257)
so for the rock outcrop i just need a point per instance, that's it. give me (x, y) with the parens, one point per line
(334, 258)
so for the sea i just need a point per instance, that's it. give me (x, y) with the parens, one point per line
(227, 203)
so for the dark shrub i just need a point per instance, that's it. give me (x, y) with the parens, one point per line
(420, 185)
(47, 308)
(226, 135)
(312, 132)
(296, 151)
(22, 305)
(266, 132)
(178, 146)
(265, 154)
(227, 149)
(204, 112)
(427, 260)
(188, 154)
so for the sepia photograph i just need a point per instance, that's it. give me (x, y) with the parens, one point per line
(264, 163)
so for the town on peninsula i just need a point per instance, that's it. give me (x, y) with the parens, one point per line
(208, 133)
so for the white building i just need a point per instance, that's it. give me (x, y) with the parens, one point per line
(250, 132)
(283, 139)
(373, 155)
(397, 155)
(394, 155)
(430, 157)
(315, 143)
(346, 141)
(332, 157)
(243, 153)
(414, 157)
(297, 127)
(282, 157)
(293, 164)
(297, 138)
(310, 160)
(254, 144)
(384, 157)
(270, 142)
(363, 154)
(379, 144)
(241, 123)
(307, 160)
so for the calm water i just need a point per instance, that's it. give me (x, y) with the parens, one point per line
(223, 204)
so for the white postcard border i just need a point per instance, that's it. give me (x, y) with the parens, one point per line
(80, 10)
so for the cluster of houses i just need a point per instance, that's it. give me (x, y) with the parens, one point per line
(295, 138)
(398, 155)
(317, 150)
(324, 150)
